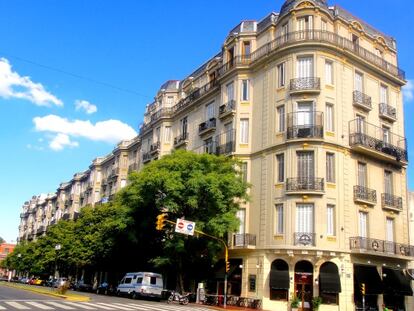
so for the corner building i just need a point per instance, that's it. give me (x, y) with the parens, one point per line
(310, 100)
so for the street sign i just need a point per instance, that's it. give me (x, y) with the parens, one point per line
(185, 227)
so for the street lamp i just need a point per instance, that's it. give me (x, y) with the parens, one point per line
(57, 248)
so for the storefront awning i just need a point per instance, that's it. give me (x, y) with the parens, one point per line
(329, 282)
(370, 277)
(396, 282)
(279, 279)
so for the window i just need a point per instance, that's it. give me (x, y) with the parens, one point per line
(330, 167)
(139, 280)
(170, 100)
(390, 230)
(252, 283)
(355, 39)
(245, 90)
(279, 219)
(305, 67)
(388, 186)
(246, 48)
(360, 124)
(127, 280)
(281, 118)
(363, 224)
(362, 174)
(123, 183)
(241, 215)
(304, 218)
(157, 137)
(330, 220)
(244, 131)
(208, 145)
(329, 115)
(210, 111)
(281, 75)
(329, 72)
(383, 94)
(306, 169)
(184, 125)
(359, 82)
(243, 171)
(305, 23)
(386, 134)
(167, 134)
(284, 33)
(230, 91)
(280, 158)
(324, 25)
(153, 280)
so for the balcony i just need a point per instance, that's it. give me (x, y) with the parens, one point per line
(305, 85)
(387, 112)
(155, 116)
(146, 157)
(90, 184)
(365, 195)
(41, 229)
(362, 100)
(132, 167)
(304, 238)
(114, 173)
(227, 110)
(304, 125)
(380, 247)
(155, 148)
(225, 143)
(309, 185)
(373, 141)
(181, 139)
(239, 61)
(24, 215)
(242, 240)
(207, 126)
(391, 202)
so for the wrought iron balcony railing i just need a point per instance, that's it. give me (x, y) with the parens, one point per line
(391, 201)
(308, 184)
(146, 156)
(225, 143)
(155, 147)
(304, 124)
(237, 61)
(374, 138)
(388, 112)
(180, 139)
(365, 194)
(304, 238)
(242, 240)
(380, 246)
(227, 108)
(207, 125)
(362, 100)
(305, 84)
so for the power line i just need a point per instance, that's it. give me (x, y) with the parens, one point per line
(78, 76)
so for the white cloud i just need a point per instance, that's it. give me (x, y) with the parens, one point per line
(86, 106)
(60, 141)
(408, 91)
(12, 85)
(110, 131)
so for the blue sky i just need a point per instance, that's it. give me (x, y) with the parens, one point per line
(56, 115)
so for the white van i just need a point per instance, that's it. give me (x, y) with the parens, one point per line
(141, 284)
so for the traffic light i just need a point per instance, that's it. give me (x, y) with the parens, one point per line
(363, 288)
(161, 219)
(227, 266)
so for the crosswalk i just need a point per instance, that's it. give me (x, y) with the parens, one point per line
(85, 306)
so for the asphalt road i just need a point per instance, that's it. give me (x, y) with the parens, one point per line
(16, 299)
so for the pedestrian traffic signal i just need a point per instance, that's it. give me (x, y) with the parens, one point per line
(227, 266)
(363, 288)
(161, 220)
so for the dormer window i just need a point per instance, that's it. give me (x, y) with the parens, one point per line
(246, 48)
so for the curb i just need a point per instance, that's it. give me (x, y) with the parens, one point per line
(37, 291)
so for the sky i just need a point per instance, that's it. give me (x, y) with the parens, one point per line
(75, 76)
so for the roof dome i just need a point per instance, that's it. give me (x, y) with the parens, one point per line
(290, 4)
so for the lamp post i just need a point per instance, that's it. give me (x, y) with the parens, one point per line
(57, 248)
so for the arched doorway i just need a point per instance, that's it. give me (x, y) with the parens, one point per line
(279, 280)
(304, 284)
(329, 283)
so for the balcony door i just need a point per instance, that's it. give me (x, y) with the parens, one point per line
(359, 82)
(388, 186)
(362, 174)
(306, 170)
(390, 230)
(304, 26)
(363, 226)
(304, 218)
(304, 115)
(304, 67)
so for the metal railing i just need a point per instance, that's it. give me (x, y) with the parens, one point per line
(304, 238)
(329, 38)
(155, 147)
(305, 184)
(227, 107)
(381, 246)
(362, 100)
(225, 143)
(206, 125)
(365, 194)
(373, 137)
(387, 111)
(242, 240)
(391, 201)
(304, 124)
(305, 84)
(146, 156)
(236, 61)
(181, 138)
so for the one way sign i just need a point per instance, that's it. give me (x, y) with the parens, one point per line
(185, 227)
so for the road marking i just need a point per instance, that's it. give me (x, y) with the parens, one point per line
(110, 306)
(2, 308)
(17, 305)
(59, 305)
(39, 305)
(83, 305)
(138, 307)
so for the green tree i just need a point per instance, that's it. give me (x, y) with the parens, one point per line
(203, 188)
(2, 240)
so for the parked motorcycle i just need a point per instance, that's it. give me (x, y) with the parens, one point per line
(181, 299)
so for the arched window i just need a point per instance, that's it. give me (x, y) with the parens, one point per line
(279, 280)
(329, 283)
